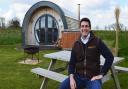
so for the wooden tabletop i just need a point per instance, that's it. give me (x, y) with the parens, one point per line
(65, 56)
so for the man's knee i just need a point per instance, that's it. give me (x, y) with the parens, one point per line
(96, 84)
(65, 84)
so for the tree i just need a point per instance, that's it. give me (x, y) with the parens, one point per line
(15, 23)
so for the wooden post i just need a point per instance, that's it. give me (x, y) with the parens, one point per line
(117, 12)
(78, 15)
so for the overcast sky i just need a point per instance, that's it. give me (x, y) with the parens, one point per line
(100, 12)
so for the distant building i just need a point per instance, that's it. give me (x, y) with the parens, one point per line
(2, 22)
(45, 23)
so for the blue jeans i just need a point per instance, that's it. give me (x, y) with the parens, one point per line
(82, 83)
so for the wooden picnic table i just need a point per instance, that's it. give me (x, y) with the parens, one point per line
(65, 57)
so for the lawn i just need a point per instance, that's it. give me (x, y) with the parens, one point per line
(18, 76)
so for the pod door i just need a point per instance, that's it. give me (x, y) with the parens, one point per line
(46, 30)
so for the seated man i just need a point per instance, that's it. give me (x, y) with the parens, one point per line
(84, 66)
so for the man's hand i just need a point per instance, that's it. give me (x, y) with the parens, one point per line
(72, 82)
(96, 77)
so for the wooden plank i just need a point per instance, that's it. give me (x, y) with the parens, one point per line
(49, 74)
(122, 69)
(61, 55)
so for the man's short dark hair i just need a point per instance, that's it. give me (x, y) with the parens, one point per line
(87, 20)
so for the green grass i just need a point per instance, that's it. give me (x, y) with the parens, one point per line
(18, 76)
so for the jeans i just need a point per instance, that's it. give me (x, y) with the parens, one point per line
(82, 83)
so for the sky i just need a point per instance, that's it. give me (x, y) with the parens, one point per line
(100, 12)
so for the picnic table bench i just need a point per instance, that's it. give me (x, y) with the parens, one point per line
(121, 69)
(65, 56)
(49, 74)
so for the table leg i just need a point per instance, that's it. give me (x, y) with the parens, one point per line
(115, 78)
(38, 57)
(45, 80)
(60, 69)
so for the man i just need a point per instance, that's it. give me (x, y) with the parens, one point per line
(84, 66)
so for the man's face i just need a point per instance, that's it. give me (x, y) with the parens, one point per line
(84, 28)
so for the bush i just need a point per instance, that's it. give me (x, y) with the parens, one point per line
(10, 36)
